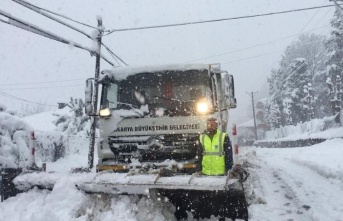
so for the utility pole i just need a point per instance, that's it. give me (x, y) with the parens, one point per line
(95, 96)
(338, 5)
(253, 110)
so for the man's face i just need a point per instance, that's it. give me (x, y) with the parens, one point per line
(211, 125)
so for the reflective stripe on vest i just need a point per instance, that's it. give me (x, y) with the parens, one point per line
(221, 147)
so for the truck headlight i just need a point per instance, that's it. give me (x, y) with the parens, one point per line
(202, 107)
(105, 112)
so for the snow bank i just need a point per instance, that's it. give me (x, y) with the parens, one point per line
(66, 202)
(37, 122)
(303, 183)
(14, 133)
(317, 128)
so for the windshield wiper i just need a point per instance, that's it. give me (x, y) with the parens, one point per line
(170, 99)
(133, 107)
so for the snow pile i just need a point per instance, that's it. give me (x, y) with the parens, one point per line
(295, 183)
(14, 135)
(66, 202)
(63, 132)
(58, 133)
(317, 128)
(284, 184)
(49, 117)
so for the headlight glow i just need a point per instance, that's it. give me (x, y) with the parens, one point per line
(202, 107)
(105, 112)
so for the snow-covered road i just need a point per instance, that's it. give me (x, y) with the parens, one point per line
(296, 183)
(293, 184)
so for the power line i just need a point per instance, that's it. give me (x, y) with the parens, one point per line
(115, 57)
(30, 88)
(18, 98)
(54, 13)
(293, 72)
(216, 20)
(4, 21)
(39, 11)
(302, 30)
(337, 4)
(43, 82)
(323, 17)
(261, 55)
(254, 46)
(311, 18)
(37, 30)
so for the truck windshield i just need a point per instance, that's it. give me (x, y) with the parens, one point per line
(169, 92)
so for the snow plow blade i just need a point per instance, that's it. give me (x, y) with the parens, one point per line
(204, 196)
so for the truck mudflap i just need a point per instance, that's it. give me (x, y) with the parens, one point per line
(203, 196)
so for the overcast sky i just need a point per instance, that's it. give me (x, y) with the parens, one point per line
(59, 71)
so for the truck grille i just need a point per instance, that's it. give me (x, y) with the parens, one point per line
(141, 142)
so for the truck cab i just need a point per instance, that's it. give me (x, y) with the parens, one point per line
(154, 115)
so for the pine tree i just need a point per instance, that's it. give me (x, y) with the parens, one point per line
(334, 68)
(301, 64)
(308, 102)
(335, 94)
(273, 115)
(298, 77)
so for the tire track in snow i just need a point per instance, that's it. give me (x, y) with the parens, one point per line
(318, 194)
(274, 198)
(323, 171)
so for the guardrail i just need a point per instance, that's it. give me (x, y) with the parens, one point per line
(289, 143)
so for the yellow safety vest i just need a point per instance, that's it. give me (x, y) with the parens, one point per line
(213, 160)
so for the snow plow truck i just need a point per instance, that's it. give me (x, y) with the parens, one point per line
(149, 122)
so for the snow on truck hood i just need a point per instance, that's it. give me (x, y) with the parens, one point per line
(123, 72)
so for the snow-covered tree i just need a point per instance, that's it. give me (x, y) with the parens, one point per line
(334, 68)
(28, 110)
(308, 102)
(14, 145)
(273, 115)
(302, 64)
(334, 46)
(299, 76)
(335, 94)
(74, 123)
(68, 125)
(287, 111)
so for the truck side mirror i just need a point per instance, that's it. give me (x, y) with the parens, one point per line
(229, 91)
(232, 103)
(89, 96)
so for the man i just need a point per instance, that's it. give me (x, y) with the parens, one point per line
(214, 150)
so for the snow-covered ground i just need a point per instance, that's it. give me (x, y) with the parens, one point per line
(44, 121)
(304, 183)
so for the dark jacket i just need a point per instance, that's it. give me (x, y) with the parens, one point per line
(227, 150)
